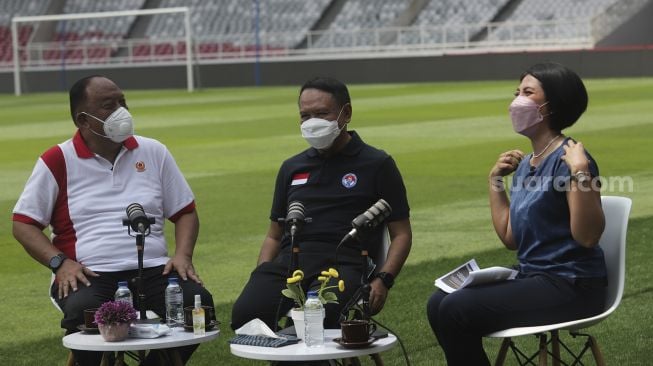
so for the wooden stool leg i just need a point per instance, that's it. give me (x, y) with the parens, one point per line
(120, 358)
(106, 356)
(71, 359)
(351, 361)
(141, 356)
(555, 347)
(501, 356)
(176, 357)
(596, 351)
(376, 357)
(542, 351)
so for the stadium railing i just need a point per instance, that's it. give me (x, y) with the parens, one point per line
(73, 51)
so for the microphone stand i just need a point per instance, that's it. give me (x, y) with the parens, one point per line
(140, 247)
(362, 294)
(293, 227)
(140, 244)
(365, 283)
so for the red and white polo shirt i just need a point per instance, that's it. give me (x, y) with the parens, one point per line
(83, 197)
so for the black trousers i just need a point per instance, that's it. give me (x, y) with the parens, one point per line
(261, 297)
(460, 319)
(103, 288)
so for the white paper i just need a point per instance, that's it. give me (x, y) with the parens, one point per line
(469, 274)
(256, 327)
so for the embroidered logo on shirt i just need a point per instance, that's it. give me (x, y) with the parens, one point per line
(349, 180)
(140, 166)
(299, 178)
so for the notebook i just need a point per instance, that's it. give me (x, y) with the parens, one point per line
(263, 341)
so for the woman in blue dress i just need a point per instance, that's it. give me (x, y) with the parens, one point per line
(553, 220)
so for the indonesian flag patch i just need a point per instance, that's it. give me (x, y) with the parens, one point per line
(299, 178)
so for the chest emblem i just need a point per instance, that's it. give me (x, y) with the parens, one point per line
(140, 166)
(299, 178)
(349, 180)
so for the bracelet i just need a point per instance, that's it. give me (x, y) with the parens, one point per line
(581, 176)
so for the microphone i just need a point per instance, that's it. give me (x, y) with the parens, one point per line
(137, 219)
(296, 217)
(369, 219)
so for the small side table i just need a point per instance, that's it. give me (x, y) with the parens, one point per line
(178, 338)
(299, 352)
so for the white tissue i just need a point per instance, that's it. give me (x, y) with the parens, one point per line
(148, 330)
(256, 327)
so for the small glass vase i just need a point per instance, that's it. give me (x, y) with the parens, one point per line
(114, 332)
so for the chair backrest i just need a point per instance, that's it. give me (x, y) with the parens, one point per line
(613, 243)
(54, 302)
(382, 254)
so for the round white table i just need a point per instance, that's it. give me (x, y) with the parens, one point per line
(299, 352)
(94, 342)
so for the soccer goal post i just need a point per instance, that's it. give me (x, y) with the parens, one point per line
(108, 14)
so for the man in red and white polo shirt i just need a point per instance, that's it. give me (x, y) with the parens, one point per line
(81, 187)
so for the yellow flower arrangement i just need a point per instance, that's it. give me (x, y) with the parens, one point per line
(294, 288)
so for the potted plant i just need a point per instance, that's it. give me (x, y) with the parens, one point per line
(113, 319)
(294, 291)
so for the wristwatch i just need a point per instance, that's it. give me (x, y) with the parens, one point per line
(56, 262)
(581, 177)
(388, 279)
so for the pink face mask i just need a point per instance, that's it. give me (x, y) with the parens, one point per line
(525, 113)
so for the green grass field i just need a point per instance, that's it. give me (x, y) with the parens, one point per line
(230, 142)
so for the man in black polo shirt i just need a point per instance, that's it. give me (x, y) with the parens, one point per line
(336, 179)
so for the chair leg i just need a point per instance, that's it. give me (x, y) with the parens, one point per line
(503, 351)
(543, 350)
(555, 348)
(596, 351)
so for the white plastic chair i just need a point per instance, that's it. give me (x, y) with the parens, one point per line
(613, 243)
(70, 360)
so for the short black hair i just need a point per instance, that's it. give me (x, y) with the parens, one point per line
(564, 90)
(335, 87)
(78, 93)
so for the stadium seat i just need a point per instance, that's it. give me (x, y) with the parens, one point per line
(232, 21)
(547, 10)
(613, 243)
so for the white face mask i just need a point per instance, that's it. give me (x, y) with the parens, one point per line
(321, 133)
(118, 127)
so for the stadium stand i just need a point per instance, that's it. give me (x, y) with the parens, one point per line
(451, 20)
(224, 29)
(554, 11)
(9, 9)
(88, 38)
(354, 26)
(227, 26)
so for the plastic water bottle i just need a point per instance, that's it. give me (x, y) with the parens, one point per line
(174, 303)
(123, 293)
(313, 321)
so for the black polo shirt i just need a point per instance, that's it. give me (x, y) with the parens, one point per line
(336, 189)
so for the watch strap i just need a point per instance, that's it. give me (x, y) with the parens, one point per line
(387, 278)
(55, 264)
